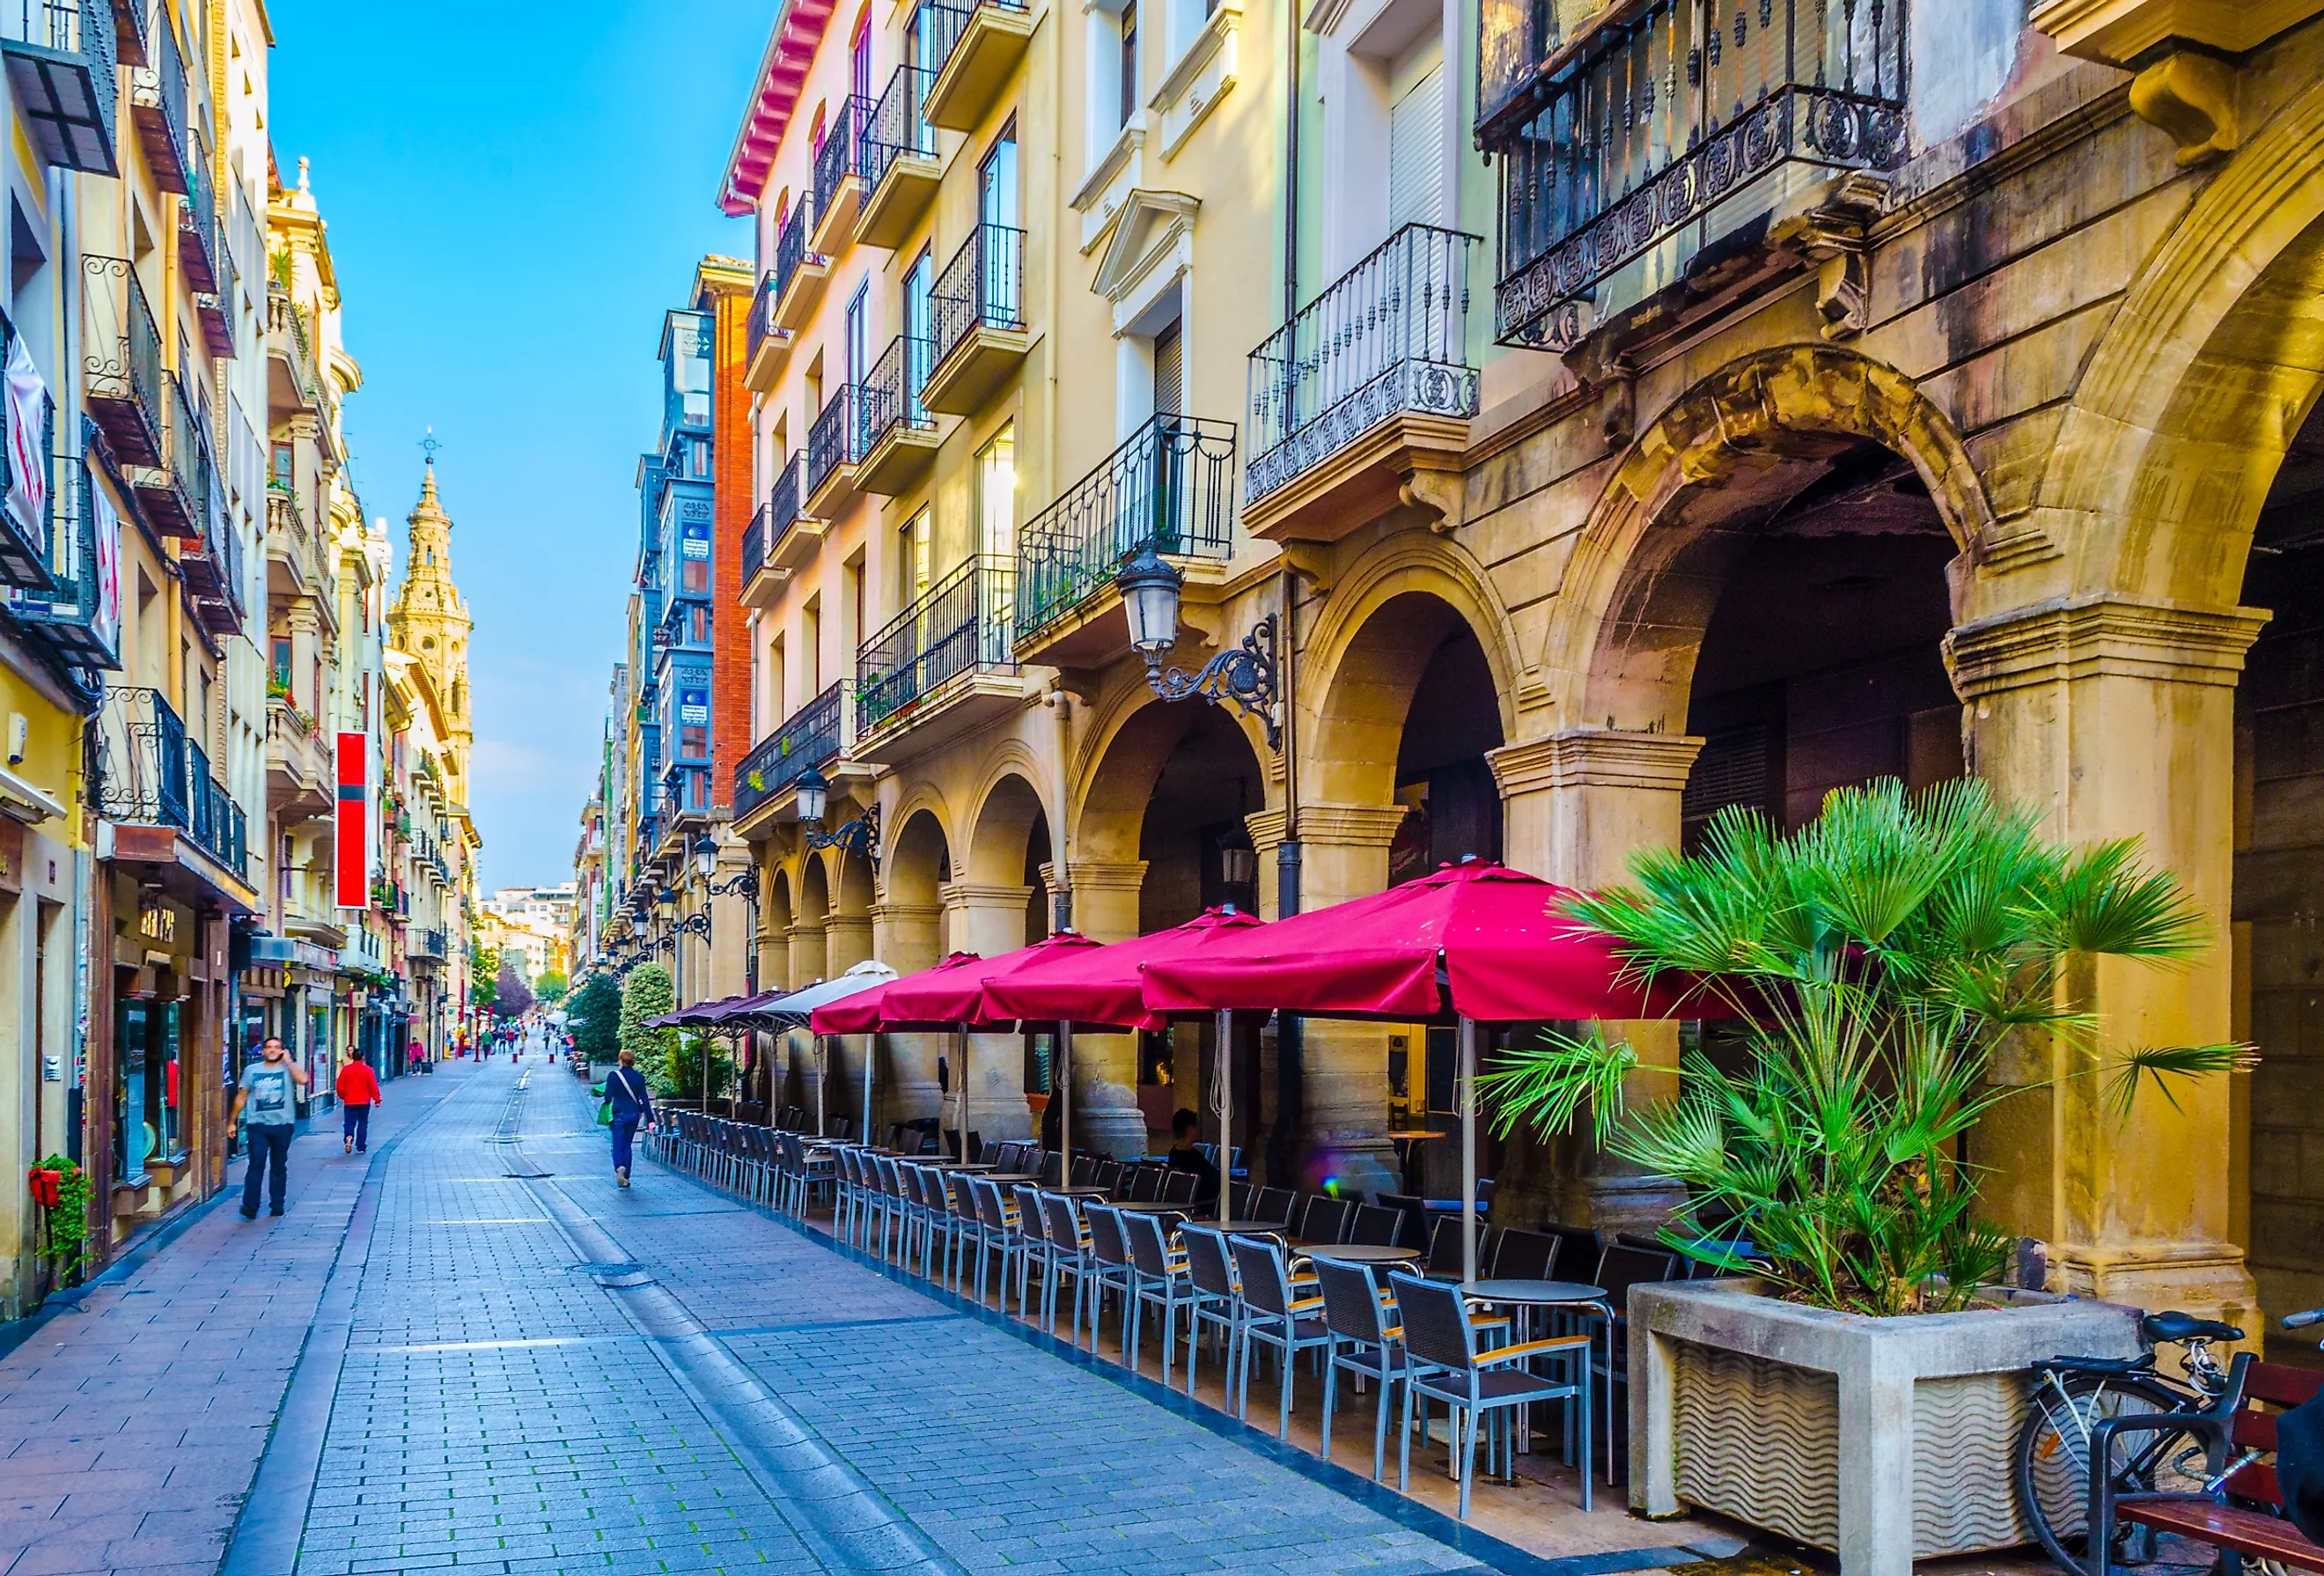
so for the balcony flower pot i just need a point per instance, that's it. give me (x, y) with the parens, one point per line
(1880, 1440)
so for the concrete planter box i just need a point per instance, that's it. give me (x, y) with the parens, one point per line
(1882, 1440)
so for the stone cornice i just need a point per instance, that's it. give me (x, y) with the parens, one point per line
(1595, 758)
(1267, 827)
(1106, 875)
(1350, 826)
(883, 911)
(2101, 634)
(956, 896)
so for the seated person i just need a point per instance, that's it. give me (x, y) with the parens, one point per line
(1184, 1156)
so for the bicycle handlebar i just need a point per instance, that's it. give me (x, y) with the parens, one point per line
(2303, 1321)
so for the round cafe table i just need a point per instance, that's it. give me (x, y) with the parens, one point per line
(1408, 1144)
(1184, 1211)
(1361, 1253)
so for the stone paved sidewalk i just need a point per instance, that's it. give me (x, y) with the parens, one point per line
(132, 1424)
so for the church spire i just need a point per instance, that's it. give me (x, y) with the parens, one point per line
(431, 620)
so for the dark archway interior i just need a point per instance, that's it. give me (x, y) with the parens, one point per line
(2279, 881)
(1038, 916)
(1193, 817)
(1822, 664)
(1442, 775)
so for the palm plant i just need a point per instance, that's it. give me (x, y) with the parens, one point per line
(1875, 962)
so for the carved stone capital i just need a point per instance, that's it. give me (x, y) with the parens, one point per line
(959, 897)
(1350, 825)
(1107, 875)
(1267, 829)
(1595, 758)
(1439, 495)
(2100, 634)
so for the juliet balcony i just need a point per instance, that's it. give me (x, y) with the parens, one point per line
(300, 775)
(74, 615)
(835, 448)
(991, 40)
(121, 359)
(1662, 127)
(812, 735)
(1170, 487)
(901, 171)
(899, 435)
(157, 101)
(25, 546)
(839, 175)
(765, 341)
(943, 667)
(1370, 377)
(178, 491)
(61, 72)
(977, 318)
(782, 538)
(801, 271)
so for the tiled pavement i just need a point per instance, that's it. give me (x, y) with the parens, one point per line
(483, 1392)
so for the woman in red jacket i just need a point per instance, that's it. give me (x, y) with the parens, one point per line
(358, 1090)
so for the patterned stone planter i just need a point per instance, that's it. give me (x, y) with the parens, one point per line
(1882, 1440)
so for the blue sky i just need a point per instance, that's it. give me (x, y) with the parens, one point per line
(513, 199)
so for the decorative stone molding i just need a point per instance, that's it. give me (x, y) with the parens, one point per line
(2192, 97)
(1832, 235)
(1202, 76)
(960, 897)
(2100, 634)
(2117, 32)
(1107, 875)
(1348, 825)
(1105, 193)
(1595, 758)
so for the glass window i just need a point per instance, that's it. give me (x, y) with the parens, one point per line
(1129, 61)
(912, 558)
(996, 495)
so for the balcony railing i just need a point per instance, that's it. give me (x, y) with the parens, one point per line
(774, 518)
(181, 499)
(838, 436)
(1387, 337)
(1171, 487)
(80, 617)
(198, 226)
(144, 771)
(427, 945)
(790, 248)
(763, 318)
(961, 624)
(843, 150)
(60, 70)
(891, 391)
(25, 543)
(982, 286)
(1663, 112)
(809, 736)
(158, 99)
(121, 359)
(894, 127)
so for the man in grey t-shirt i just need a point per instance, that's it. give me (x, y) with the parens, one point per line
(266, 1104)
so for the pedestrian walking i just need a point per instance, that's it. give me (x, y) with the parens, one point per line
(358, 1090)
(265, 1106)
(631, 1103)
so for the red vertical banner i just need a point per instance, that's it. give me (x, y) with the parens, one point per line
(352, 838)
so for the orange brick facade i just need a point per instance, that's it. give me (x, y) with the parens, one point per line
(731, 507)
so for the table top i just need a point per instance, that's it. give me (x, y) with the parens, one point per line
(1535, 1291)
(1080, 1192)
(1363, 1253)
(1151, 1209)
(1012, 1176)
(961, 1165)
(1402, 1137)
(1246, 1228)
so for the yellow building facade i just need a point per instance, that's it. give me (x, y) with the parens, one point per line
(1622, 424)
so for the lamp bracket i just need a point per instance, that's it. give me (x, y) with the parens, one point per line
(1246, 675)
(860, 835)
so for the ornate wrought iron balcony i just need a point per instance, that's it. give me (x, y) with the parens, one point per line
(121, 359)
(961, 624)
(837, 438)
(73, 616)
(179, 494)
(977, 318)
(1663, 112)
(157, 99)
(839, 171)
(1171, 487)
(1387, 339)
(144, 771)
(809, 736)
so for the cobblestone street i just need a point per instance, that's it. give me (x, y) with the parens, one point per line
(476, 1353)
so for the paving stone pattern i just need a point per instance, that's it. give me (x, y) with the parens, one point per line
(497, 1409)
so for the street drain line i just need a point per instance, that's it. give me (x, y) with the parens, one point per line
(843, 1520)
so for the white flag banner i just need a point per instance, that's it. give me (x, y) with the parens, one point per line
(28, 459)
(104, 621)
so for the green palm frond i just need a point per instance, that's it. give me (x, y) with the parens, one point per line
(2158, 1066)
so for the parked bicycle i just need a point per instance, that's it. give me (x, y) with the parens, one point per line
(2072, 1396)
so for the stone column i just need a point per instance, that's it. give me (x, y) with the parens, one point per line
(988, 918)
(807, 951)
(1105, 1111)
(1267, 830)
(847, 941)
(774, 945)
(1344, 1066)
(2114, 717)
(1575, 806)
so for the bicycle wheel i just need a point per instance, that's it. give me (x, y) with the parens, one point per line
(2054, 1468)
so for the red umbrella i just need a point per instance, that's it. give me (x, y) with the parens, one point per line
(871, 1012)
(954, 992)
(1473, 941)
(1103, 984)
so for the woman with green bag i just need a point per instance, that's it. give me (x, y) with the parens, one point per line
(627, 1103)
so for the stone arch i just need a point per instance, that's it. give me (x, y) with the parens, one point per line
(1007, 807)
(1630, 618)
(1365, 653)
(2205, 374)
(774, 928)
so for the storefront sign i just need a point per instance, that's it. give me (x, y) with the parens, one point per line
(353, 831)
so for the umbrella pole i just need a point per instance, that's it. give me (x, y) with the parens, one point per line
(821, 1085)
(1226, 1116)
(964, 1094)
(1468, 1151)
(865, 1136)
(1062, 1076)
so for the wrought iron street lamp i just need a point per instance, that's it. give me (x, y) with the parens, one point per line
(860, 835)
(1244, 674)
